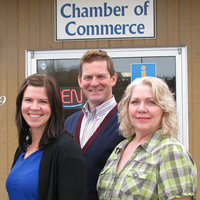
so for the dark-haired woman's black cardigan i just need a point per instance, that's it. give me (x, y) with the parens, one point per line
(62, 172)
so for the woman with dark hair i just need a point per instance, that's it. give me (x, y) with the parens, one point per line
(48, 164)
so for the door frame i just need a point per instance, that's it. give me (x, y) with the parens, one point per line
(181, 72)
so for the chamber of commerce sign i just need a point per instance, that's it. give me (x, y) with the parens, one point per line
(111, 19)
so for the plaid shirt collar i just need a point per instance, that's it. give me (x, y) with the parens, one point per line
(148, 146)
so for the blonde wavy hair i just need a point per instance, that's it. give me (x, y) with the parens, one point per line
(162, 96)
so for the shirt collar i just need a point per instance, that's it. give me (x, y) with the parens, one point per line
(152, 142)
(148, 146)
(101, 109)
(123, 145)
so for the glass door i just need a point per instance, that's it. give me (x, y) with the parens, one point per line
(170, 64)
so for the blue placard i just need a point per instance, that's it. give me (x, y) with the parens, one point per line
(141, 70)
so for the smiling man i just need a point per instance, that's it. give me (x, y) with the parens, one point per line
(95, 127)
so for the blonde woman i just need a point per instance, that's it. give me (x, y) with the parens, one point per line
(151, 163)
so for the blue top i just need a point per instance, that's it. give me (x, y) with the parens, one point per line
(22, 182)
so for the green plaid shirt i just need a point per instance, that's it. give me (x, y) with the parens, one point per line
(161, 168)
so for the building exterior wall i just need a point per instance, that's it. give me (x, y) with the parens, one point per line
(29, 25)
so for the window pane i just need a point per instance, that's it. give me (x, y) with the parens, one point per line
(165, 69)
(66, 72)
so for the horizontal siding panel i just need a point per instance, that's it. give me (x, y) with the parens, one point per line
(173, 23)
(22, 38)
(34, 25)
(161, 23)
(12, 72)
(3, 109)
(45, 24)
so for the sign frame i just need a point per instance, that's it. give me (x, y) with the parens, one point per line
(70, 27)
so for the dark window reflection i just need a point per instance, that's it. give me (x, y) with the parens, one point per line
(66, 72)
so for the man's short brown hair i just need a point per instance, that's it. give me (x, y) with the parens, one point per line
(96, 55)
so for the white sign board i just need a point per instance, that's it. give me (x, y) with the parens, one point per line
(108, 19)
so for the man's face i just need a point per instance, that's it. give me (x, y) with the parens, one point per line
(96, 82)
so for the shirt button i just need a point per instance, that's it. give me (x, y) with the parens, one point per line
(135, 175)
